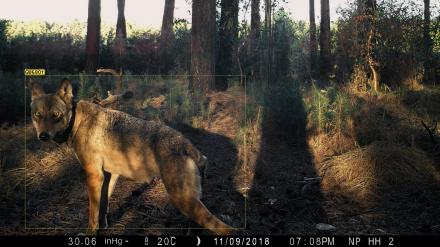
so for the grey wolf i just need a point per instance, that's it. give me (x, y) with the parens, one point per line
(110, 143)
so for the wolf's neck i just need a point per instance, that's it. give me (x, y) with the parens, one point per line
(87, 117)
(67, 133)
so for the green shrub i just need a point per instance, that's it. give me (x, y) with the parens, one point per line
(329, 109)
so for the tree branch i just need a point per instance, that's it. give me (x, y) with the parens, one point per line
(430, 132)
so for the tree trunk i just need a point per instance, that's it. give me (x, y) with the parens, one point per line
(267, 69)
(372, 63)
(166, 36)
(203, 45)
(255, 20)
(370, 15)
(313, 43)
(121, 29)
(228, 35)
(427, 43)
(255, 37)
(120, 40)
(325, 38)
(93, 36)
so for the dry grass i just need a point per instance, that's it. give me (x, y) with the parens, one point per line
(425, 103)
(381, 165)
(394, 117)
(378, 170)
(223, 112)
(42, 170)
(249, 146)
(43, 165)
(379, 120)
(325, 145)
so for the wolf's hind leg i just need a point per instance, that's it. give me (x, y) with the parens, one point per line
(108, 186)
(203, 164)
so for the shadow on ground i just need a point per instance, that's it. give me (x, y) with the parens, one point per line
(279, 203)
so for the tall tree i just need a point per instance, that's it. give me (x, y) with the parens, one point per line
(267, 70)
(255, 20)
(371, 12)
(228, 35)
(93, 36)
(121, 29)
(120, 39)
(324, 40)
(203, 45)
(166, 35)
(313, 43)
(367, 10)
(255, 35)
(427, 42)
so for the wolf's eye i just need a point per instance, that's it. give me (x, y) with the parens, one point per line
(56, 114)
(37, 114)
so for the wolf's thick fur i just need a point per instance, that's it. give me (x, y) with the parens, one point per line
(110, 143)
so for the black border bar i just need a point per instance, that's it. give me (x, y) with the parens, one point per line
(189, 241)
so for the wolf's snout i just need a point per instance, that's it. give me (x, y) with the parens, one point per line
(44, 136)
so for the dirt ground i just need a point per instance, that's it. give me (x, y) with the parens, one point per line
(273, 197)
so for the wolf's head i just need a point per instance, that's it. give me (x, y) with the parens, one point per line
(51, 113)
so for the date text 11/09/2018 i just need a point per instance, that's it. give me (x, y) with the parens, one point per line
(241, 241)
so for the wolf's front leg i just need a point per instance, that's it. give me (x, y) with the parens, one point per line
(95, 179)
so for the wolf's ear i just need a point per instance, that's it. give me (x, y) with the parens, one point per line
(64, 91)
(36, 88)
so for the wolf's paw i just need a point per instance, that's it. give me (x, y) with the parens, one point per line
(91, 232)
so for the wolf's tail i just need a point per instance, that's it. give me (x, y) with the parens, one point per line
(185, 193)
(187, 199)
(201, 215)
